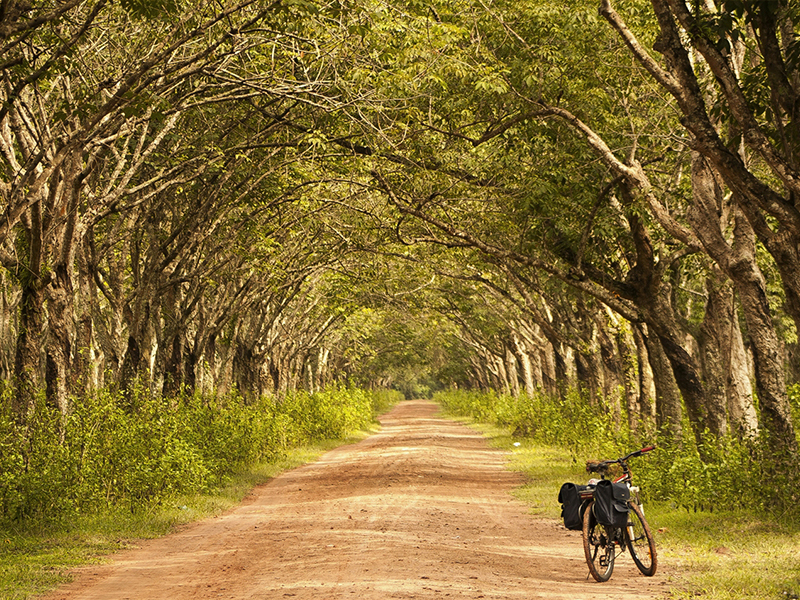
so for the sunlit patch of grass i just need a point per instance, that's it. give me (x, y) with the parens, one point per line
(730, 555)
(38, 559)
(545, 469)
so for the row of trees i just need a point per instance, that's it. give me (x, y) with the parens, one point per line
(155, 158)
(269, 195)
(653, 188)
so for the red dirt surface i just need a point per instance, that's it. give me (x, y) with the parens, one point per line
(420, 510)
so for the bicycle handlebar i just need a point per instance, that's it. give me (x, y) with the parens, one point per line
(636, 453)
(600, 466)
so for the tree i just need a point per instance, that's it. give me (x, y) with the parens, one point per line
(631, 278)
(723, 45)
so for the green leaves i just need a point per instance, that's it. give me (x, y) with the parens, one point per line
(151, 9)
(108, 453)
(492, 82)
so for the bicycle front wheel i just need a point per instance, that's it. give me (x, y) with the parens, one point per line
(598, 546)
(640, 541)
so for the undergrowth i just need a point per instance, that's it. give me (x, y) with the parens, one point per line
(134, 450)
(711, 474)
(37, 555)
(121, 468)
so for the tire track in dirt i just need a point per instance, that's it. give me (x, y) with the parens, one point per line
(420, 510)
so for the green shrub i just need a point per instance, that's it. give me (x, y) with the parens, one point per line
(715, 474)
(383, 400)
(135, 449)
(571, 422)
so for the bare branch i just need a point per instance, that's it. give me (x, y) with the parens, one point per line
(648, 62)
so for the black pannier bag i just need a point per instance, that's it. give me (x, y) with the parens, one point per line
(611, 503)
(571, 506)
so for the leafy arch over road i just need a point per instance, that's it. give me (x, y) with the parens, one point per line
(262, 195)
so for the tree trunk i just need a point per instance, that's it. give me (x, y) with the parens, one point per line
(712, 357)
(554, 370)
(687, 378)
(497, 368)
(521, 352)
(793, 360)
(630, 376)
(647, 386)
(173, 370)
(27, 374)
(190, 368)
(61, 239)
(786, 252)
(511, 371)
(479, 374)
(322, 368)
(245, 371)
(589, 372)
(741, 408)
(82, 379)
(738, 261)
(58, 350)
(613, 380)
(28, 352)
(661, 321)
(130, 363)
(8, 312)
(767, 357)
(133, 359)
(669, 413)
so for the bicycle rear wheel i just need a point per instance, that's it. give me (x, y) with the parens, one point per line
(640, 541)
(598, 546)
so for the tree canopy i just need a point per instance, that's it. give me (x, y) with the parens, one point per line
(270, 195)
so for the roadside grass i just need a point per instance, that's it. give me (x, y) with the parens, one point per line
(38, 557)
(732, 555)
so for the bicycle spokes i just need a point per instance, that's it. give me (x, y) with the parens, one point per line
(602, 543)
(640, 542)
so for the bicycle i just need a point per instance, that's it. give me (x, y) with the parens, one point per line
(600, 542)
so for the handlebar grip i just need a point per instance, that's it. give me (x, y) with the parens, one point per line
(636, 453)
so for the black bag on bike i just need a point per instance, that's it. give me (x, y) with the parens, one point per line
(571, 505)
(611, 503)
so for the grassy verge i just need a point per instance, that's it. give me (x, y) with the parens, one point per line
(728, 555)
(37, 557)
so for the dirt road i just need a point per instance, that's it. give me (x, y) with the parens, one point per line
(420, 510)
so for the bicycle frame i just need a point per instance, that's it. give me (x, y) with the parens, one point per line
(600, 542)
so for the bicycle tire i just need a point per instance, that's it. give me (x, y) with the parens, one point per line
(598, 546)
(640, 541)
